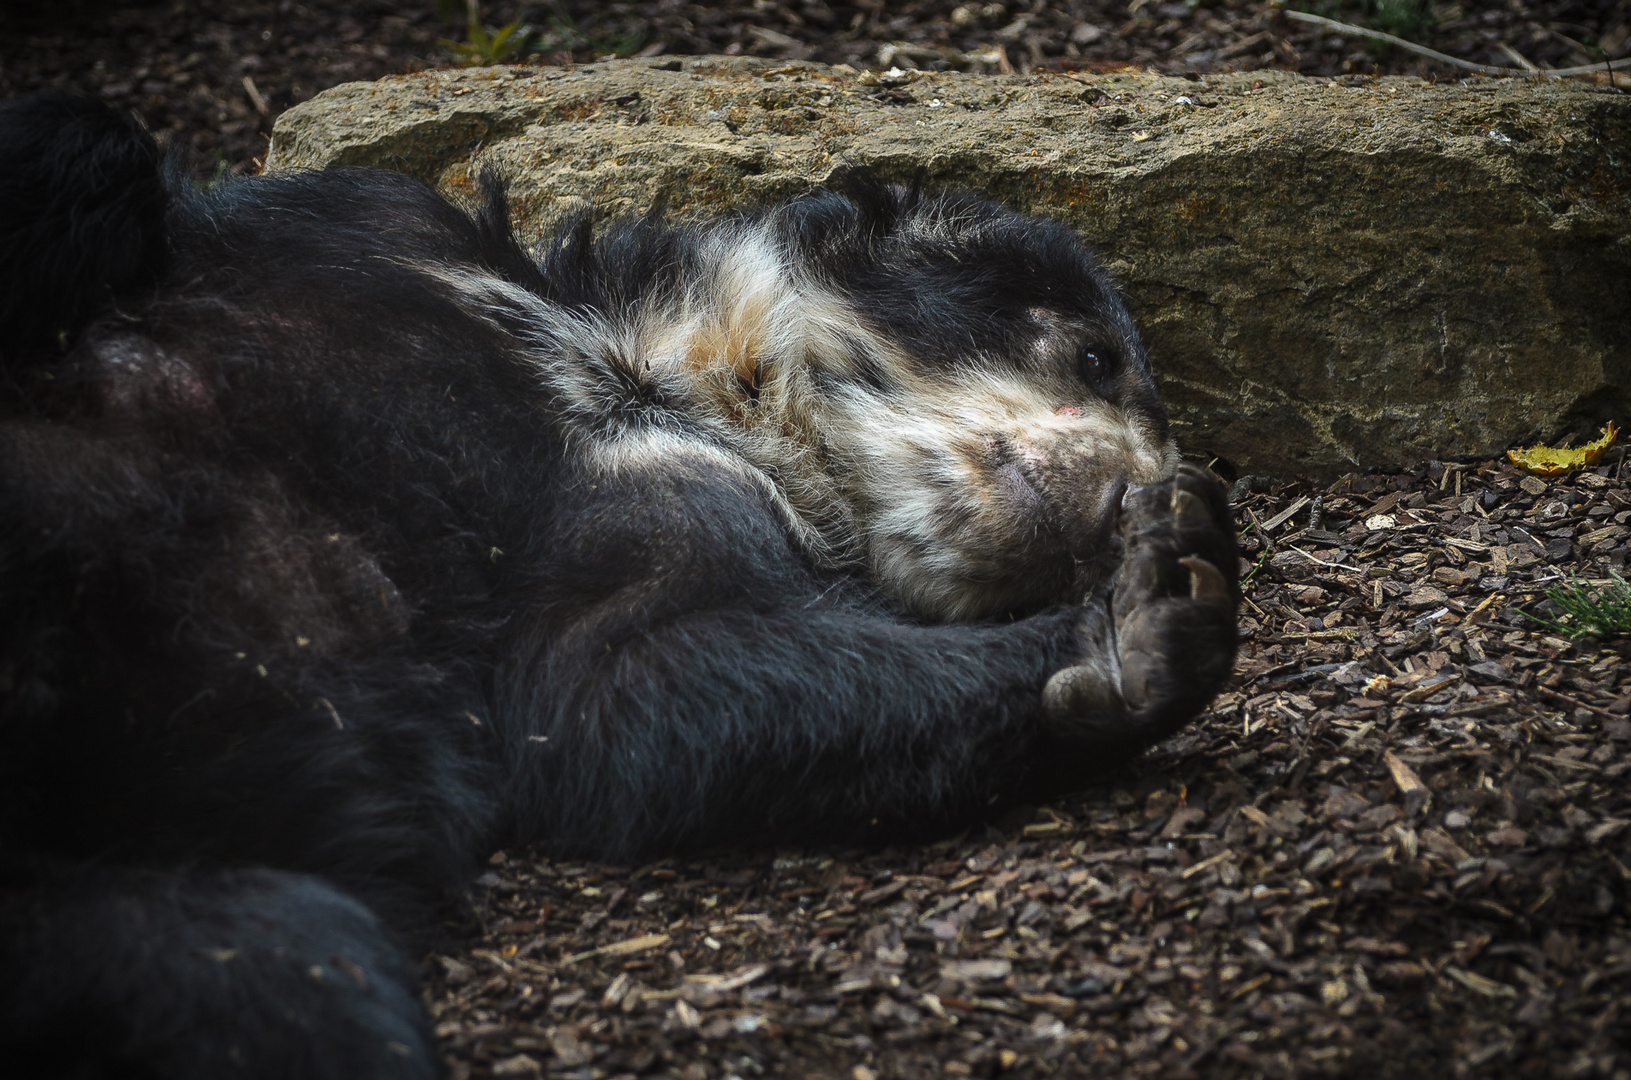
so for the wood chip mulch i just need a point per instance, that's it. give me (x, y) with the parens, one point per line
(1399, 845)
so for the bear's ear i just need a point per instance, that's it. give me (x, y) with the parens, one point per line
(824, 226)
(499, 250)
(854, 210)
(879, 205)
(569, 262)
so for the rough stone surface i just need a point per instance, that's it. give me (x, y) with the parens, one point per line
(1329, 275)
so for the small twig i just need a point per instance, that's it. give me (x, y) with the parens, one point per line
(1570, 699)
(255, 97)
(1517, 58)
(1320, 562)
(1283, 516)
(1243, 44)
(1433, 54)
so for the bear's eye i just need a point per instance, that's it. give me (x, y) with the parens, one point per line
(1095, 366)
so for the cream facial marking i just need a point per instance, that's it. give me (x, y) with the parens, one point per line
(966, 492)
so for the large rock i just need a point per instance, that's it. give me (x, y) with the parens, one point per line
(1330, 274)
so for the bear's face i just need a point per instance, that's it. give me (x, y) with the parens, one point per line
(990, 483)
(990, 403)
(985, 491)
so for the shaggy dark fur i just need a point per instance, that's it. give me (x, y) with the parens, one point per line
(334, 551)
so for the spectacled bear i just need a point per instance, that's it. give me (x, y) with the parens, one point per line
(342, 540)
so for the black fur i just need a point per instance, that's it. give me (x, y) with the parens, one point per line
(307, 600)
(69, 248)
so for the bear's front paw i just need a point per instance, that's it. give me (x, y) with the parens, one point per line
(1168, 642)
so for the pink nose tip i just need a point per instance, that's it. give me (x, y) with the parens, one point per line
(1066, 410)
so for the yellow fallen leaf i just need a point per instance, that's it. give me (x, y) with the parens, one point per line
(1550, 461)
